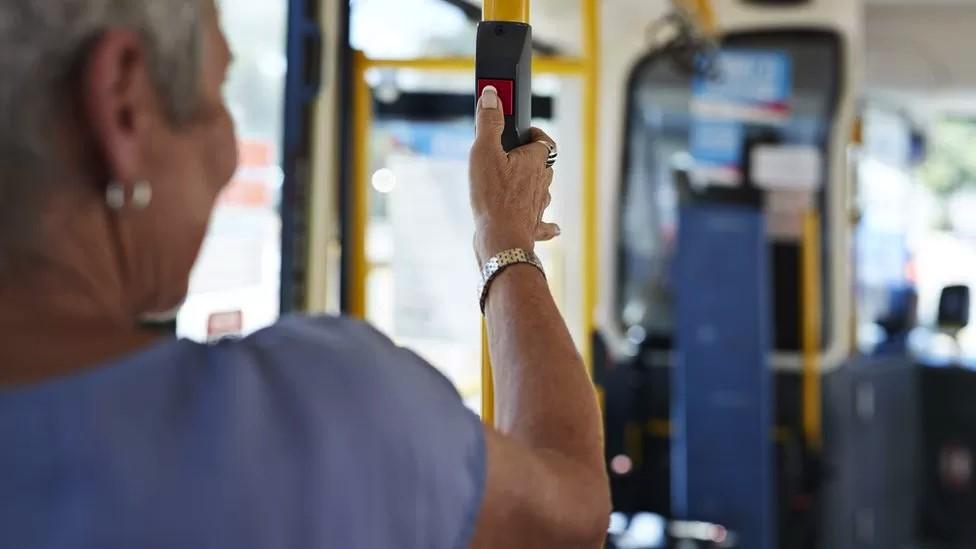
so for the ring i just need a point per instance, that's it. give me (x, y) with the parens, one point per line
(553, 154)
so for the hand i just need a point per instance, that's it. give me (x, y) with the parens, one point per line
(509, 191)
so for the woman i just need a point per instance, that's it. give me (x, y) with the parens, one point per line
(313, 433)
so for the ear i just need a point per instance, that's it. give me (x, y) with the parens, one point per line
(118, 102)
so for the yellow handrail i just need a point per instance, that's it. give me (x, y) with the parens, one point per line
(702, 11)
(591, 129)
(487, 380)
(811, 325)
(506, 10)
(496, 10)
(362, 123)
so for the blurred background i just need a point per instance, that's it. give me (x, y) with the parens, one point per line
(769, 214)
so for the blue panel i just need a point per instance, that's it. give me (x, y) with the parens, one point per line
(722, 462)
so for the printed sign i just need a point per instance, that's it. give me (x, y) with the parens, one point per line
(749, 88)
(226, 324)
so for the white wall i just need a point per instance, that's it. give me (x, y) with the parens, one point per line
(921, 57)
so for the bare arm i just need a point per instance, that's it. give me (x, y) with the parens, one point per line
(547, 484)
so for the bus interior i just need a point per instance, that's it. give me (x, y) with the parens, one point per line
(845, 128)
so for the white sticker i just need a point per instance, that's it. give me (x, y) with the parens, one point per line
(787, 167)
(225, 324)
(784, 213)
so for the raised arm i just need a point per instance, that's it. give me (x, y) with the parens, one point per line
(547, 484)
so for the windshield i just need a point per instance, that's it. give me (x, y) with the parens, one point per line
(657, 152)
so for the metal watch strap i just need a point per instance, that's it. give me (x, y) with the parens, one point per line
(494, 266)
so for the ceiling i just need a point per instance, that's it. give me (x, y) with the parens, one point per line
(918, 52)
(920, 3)
(918, 55)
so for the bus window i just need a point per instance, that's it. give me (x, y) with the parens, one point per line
(419, 231)
(235, 284)
(413, 29)
(657, 142)
(419, 246)
(407, 29)
(888, 200)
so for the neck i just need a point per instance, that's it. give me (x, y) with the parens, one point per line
(49, 332)
(63, 305)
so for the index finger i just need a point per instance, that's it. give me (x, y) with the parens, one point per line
(535, 134)
(540, 148)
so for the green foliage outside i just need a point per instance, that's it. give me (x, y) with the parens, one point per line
(951, 163)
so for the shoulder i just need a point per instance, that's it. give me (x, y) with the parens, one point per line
(329, 367)
(405, 441)
(316, 331)
(339, 349)
(315, 335)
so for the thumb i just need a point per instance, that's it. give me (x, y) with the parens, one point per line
(547, 231)
(491, 120)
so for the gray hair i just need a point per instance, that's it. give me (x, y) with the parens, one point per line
(44, 42)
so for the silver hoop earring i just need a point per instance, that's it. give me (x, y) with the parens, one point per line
(142, 195)
(115, 196)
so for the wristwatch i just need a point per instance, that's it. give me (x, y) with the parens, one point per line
(494, 266)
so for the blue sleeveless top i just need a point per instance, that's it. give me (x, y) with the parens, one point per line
(315, 433)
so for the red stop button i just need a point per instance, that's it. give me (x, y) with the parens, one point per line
(506, 92)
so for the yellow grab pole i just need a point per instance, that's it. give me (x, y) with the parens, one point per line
(362, 122)
(703, 12)
(591, 128)
(496, 10)
(811, 325)
(706, 14)
(487, 382)
(506, 10)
